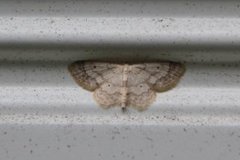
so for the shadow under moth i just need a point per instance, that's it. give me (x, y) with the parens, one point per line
(126, 84)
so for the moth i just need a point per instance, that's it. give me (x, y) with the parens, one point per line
(126, 84)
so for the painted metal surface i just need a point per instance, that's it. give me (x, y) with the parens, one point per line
(45, 115)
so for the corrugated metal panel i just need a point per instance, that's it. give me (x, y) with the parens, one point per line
(45, 115)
